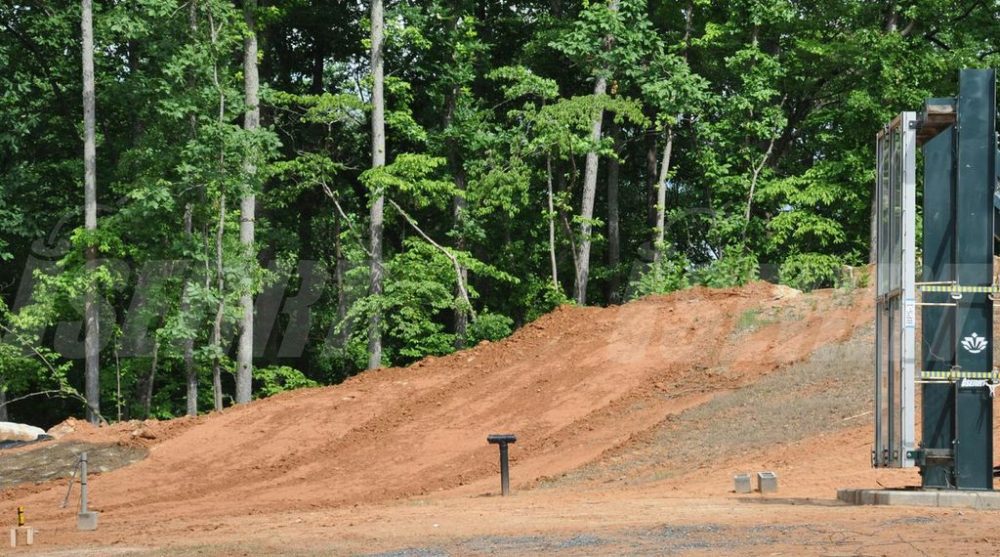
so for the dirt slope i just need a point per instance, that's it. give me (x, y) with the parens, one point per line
(575, 385)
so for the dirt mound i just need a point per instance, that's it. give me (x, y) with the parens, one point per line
(139, 433)
(574, 385)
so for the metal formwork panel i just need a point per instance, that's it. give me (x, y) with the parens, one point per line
(957, 346)
(896, 296)
(937, 341)
(974, 189)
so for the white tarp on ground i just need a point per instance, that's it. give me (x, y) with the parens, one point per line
(10, 431)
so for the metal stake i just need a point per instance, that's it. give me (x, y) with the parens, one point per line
(504, 471)
(503, 440)
(83, 483)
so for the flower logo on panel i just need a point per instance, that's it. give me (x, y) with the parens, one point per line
(974, 343)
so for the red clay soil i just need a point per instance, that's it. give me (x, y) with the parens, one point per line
(572, 385)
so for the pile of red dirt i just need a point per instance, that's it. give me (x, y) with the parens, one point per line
(572, 385)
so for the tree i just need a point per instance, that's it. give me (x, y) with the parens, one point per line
(248, 206)
(92, 342)
(590, 174)
(378, 202)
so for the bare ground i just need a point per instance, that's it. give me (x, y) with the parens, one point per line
(631, 422)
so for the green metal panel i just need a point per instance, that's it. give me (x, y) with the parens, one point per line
(958, 241)
(937, 335)
(975, 185)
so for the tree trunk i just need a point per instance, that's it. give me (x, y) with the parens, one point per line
(92, 378)
(458, 210)
(339, 275)
(319, 58)
(378, 204)
(552, 225)
(146, 395)
(190, 373)
(220, 230)
(461, 312)
(590, 184)
(3, 405)
(754, 177)
(221, 309)
(587, 206)
(187, 345)
(873, 229)
(661, 198)
(248, 205)
(651, 175)
(614, 232)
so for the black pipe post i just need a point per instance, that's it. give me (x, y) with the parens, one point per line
(503, 439)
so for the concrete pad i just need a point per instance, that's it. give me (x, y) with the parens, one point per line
(86, 522)
(921, 498)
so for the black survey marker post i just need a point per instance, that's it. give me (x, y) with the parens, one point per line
(503, 439)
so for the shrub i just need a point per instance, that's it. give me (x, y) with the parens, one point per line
(278, 379)
(668, 275)
(489, 326)
(808, 271)
(737, 267)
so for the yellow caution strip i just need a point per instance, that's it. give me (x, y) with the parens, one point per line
(948, 375)
(956, 288)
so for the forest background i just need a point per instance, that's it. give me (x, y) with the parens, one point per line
(288, 192)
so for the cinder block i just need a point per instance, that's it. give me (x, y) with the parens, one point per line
(742, 483)
(767, 482)
(86, 522)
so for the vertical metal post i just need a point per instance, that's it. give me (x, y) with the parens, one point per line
(83, 483)
(86, 521)
(504, 471)
(908, 350)
(503, 440)
(895, 322)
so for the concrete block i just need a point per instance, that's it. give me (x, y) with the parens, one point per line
(29, 535)
(767, 482)
(742, 483)
(961, 499)
(922, 498)
(86, 522)
(907, 498)
(867, 497)
(986, 501)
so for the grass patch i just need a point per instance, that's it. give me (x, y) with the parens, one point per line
(753, 319)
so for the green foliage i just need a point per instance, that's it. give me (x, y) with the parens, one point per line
(735, 268)
(410, 174)
(278, 379)
(27, 367)
(811, 270)
(491, 327)
(541, 297)
(665, 276)
(771, 107)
